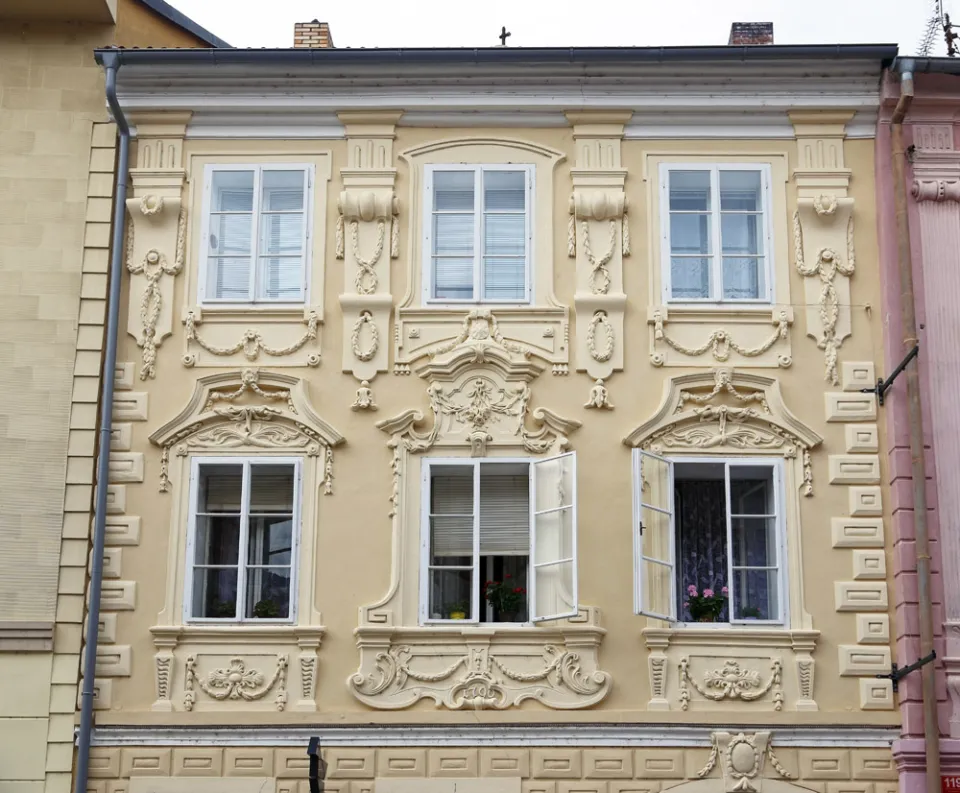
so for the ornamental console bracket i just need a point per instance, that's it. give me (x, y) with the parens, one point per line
(367, 239)
(155, 243)
(598, 238)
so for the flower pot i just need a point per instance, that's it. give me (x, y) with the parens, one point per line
(508, 616)
(458, 615)
(706, 619)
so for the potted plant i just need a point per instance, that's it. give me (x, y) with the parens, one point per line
(506, 598)
(266, 609)
(705, 606)
(224, 609)
(458, 611)
(751, 613)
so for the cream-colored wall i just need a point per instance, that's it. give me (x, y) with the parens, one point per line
(353, 531)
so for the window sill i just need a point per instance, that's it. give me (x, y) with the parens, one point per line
(725, 634)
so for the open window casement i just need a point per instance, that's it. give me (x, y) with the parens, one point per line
(553, 538)
(653, 537)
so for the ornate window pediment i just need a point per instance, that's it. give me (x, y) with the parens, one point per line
(248, 410)
(726, 412)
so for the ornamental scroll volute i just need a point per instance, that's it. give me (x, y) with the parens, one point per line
(598, 237)
(367, 239)
(155, 243)
(823, 231)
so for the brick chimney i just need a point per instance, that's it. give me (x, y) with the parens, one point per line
(312, 35)
(748, 34)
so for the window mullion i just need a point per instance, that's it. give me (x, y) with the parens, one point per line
(717, 258)
(474, 582)
(244, 534)
(478, 187)
(731, 589)
(255, 235)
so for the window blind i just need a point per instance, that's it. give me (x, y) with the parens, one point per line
(271, 489)
(451, 494)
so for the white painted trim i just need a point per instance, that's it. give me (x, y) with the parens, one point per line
(625, 735)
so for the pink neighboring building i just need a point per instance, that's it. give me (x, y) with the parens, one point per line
(931, 132)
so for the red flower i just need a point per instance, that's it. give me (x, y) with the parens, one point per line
(508, 576)
(488, 584)
(518, 590)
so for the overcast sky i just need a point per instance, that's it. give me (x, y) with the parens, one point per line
(561, 23)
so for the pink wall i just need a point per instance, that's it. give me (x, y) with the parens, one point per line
(935, 246)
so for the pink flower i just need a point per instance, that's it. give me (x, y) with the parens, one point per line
(692, 590)
(708, 593)
(724, 591)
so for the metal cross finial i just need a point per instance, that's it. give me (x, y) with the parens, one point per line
(504, 35)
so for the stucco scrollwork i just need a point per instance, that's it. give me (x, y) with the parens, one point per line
(235, 681)
(601, 352)
(365, 320)
(481, 679)
(480, 330)
(824, 250)
(719, 420)
(741, 759)
(251, 342)
(287, 423)
(732, 681)
(153, 266)
(720, 343)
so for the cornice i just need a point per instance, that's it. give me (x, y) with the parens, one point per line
(570, 734)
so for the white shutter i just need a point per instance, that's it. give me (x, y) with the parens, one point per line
(504, 514)
(553, 538)
(451, 498)
(655, 592)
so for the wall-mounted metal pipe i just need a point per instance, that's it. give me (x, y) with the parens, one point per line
(111, 63)
(918, 469)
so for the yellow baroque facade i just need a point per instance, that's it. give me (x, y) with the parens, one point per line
(502, 435)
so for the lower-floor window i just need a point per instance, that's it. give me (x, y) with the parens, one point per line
(243, 538)
(709, 538)
(499, 540)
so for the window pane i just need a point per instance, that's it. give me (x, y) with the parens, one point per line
(689, 277)
(453, 279)
(504, 279)
(689, 234)
(232, 191)
(751, 490)
(453, 235)
(220, 488)
(755, 595)
(229, 278)
(453, 191)
(741, 234)
(281, 234)
(743, 278)
(268, 593)
(282, 190)
(281, 278)
(690, 191)
(754, 542)
(740, 191)
(554, 589)
(504, 512)
(271, 541)
(450, 594)
(657, 587)
(215, 593)
(504, 235)
(271, 488)
(451, 536)
(229, 235)
(504, 191)
(554, 483)
(217, 540)
(451, 510)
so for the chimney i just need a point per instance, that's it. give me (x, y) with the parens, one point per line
(749, 34)
(312, 35)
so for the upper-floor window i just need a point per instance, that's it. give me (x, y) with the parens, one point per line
(244, 532)
(716, 240)
(255, 233)
(710, 540)
(477, 233)
(499, 540)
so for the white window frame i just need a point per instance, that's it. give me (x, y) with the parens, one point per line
(716, 257)
(247, 463)
(777, 465)
(427, 236)
(475, 463)
(308, 208)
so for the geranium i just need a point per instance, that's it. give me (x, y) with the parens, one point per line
(705, 607)
(503, 596)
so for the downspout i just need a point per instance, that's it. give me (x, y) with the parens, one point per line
(111, 64)
(918, 468)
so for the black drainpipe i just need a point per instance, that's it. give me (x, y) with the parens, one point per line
(111, 64)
